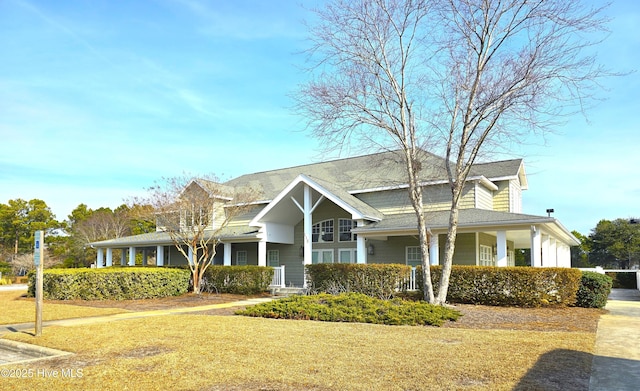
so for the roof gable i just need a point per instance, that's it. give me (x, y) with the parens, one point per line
(283, 208)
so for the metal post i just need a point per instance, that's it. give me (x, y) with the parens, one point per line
(38, 258)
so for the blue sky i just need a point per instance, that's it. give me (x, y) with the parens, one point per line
(98, 99)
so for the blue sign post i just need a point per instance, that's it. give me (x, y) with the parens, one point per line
(38, 260)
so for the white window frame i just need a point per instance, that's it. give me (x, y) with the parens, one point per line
(353, 255)
(485, 256)
(241, 257)
(344, 227)
(273, 258)
(321, 229)
(317, 255)
(411, 252)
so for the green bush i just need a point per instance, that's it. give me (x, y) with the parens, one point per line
(624, 280)
(374, 280)
(594, 290)
(353, 307)
(111, 283)
(243, 280)
(508, 286)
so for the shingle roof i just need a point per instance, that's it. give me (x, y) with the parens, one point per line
(351, 174)
(377, 170)
(163, 238)
(466, 218)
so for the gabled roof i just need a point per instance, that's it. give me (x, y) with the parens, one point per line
(351, 174)
(283, 209)
(504, 169)
(374, 171)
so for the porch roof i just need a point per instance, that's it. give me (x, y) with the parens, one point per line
(468, 220)
(235, 233)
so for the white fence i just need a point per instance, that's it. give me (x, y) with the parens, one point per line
(278, 277)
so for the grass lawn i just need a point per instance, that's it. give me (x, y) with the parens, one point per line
(15, 309)
(210, 352)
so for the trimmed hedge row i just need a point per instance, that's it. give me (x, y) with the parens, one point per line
(374, 280)
(111, 283)
(594, 290)
(508, 286)
(243, 280)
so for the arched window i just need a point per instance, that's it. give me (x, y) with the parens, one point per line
(322, 232)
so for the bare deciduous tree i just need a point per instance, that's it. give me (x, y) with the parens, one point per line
(195, 213)
(461, 75)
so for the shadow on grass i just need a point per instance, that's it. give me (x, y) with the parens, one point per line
(568, 370)
(559, 369)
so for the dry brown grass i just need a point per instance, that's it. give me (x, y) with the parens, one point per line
(204, 352)
(17, 309)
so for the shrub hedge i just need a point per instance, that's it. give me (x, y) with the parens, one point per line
(375, 280)
(353, 307)
(624, 280)
(111, 283)
(594, 290)
(508, 286)
(243, 280)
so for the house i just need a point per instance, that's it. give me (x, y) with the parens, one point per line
(357, 210)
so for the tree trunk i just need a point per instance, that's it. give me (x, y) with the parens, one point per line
(448, 255)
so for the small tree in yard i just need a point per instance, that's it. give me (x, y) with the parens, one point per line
(464, 76)
(195, 214)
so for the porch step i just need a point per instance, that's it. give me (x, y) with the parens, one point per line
(288, 291)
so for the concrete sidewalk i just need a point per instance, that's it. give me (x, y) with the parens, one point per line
(131, 315)
(616, 362)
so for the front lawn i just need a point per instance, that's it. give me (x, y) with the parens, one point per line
(16, 309)
(202, 352)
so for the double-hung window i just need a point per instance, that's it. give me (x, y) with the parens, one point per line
(241, 258)
(413, 256)
(344, 230)
(273, 258)
(322, 256)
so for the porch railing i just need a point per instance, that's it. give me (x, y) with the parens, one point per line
(409, 283)
(278, 277)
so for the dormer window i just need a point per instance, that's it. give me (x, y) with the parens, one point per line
(322, 232)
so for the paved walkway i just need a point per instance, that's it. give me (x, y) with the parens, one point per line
(616, 362)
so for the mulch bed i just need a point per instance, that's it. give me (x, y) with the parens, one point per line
(567, 319)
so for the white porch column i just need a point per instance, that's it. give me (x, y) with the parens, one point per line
(132, 256)
(434, 250)
(536, 247)
(361, 245)
(501, 260)
(109, 257)
(553, 252)
(160, 256)
(308, 219)
(262, 253)
(190, 254)
(545, 251)
(144, 257)
(123, 257)
(564, 255)
(307, 228)
(227, 254)
(99, 257)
